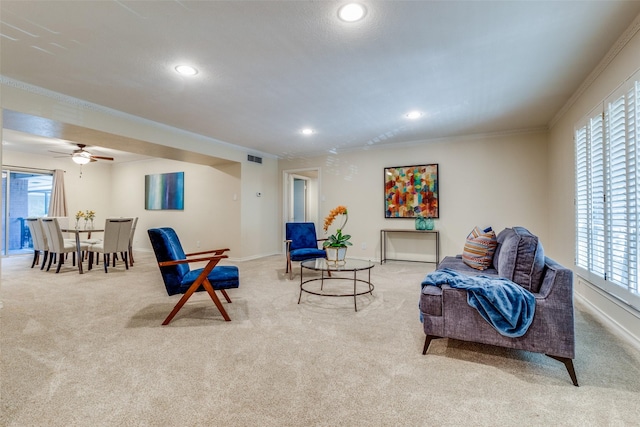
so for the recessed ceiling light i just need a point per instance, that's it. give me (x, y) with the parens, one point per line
(307, 131)
(413, 115)
(352, 12)
(186, 70)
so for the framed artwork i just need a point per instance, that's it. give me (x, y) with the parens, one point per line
(164, 191)
(411, 191)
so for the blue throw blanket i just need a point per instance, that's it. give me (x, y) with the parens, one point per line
(508, 307)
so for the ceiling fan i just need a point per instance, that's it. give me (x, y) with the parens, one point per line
(82, 156)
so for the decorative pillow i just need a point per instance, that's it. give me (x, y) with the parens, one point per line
(479, 248)
(502, 236)
(521, 258)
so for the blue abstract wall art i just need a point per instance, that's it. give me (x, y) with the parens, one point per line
(164, 191)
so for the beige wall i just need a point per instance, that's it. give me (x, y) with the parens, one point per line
(210, 219)
(497, 181)
(260, 231)
(561, 173)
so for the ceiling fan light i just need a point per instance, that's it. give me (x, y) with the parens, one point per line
(81, 158)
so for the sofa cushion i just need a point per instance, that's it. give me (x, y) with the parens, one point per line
(479, 248)
(520, 258)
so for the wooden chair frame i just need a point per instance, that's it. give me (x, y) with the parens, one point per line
(201, 280)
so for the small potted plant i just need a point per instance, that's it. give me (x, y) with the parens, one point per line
(336, 244)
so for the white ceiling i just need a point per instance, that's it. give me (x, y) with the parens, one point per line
(269, 68)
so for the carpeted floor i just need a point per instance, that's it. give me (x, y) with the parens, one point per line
(89, 350)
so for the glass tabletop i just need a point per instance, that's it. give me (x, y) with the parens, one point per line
(322, 264)
(81, 230)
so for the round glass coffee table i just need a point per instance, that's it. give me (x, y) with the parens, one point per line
(326, 268)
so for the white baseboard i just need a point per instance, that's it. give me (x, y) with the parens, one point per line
(611, 322)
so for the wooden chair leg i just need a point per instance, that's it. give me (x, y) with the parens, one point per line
(105, 261)
(183, 300)
(130, 256)
(216, 300)
(125, 257)
(51, 258)
(60, 262)
(44, 260)
(224, 293)
(36, 255)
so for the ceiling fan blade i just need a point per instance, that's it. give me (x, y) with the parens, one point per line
(60, 152)
(101, 158)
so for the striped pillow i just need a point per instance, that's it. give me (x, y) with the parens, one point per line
(479, 248)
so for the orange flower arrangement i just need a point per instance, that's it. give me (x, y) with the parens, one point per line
(340, 210)
(337, 240)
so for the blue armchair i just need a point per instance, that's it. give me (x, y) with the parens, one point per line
(179, 279)
(302, 243)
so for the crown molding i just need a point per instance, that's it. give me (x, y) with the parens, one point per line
(617, 47)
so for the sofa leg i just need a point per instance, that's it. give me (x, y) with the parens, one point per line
(427, 341)
(568, 363)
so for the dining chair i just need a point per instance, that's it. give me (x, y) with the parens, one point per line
(39, 241)
(116, 239)
(301, 243)
(58, 245)
(180, 279)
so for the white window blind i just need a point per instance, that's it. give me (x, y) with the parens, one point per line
(607, 202)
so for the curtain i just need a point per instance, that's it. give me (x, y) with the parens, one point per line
(58, 202)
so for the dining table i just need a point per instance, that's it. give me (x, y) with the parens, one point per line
(77, 232)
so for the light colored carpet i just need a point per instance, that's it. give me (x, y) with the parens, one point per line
(90, 351)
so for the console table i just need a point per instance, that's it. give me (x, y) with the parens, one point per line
(418, 233)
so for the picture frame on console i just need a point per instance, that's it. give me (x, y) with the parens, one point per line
(411, 191)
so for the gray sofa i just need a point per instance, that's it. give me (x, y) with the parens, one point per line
(519, 257)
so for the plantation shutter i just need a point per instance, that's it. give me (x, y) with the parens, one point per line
(596, 203)
(582, 198)
(633, 187)
(617, 203)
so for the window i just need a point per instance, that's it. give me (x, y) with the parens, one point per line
(24, 194)
(607, 202)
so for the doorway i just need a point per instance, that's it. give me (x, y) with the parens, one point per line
(24, 194)
(301, 195)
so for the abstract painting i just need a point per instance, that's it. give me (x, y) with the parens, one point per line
(411, 191)
(164, 191)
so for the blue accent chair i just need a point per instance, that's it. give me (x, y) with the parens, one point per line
(302, 243)
(179, 279)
